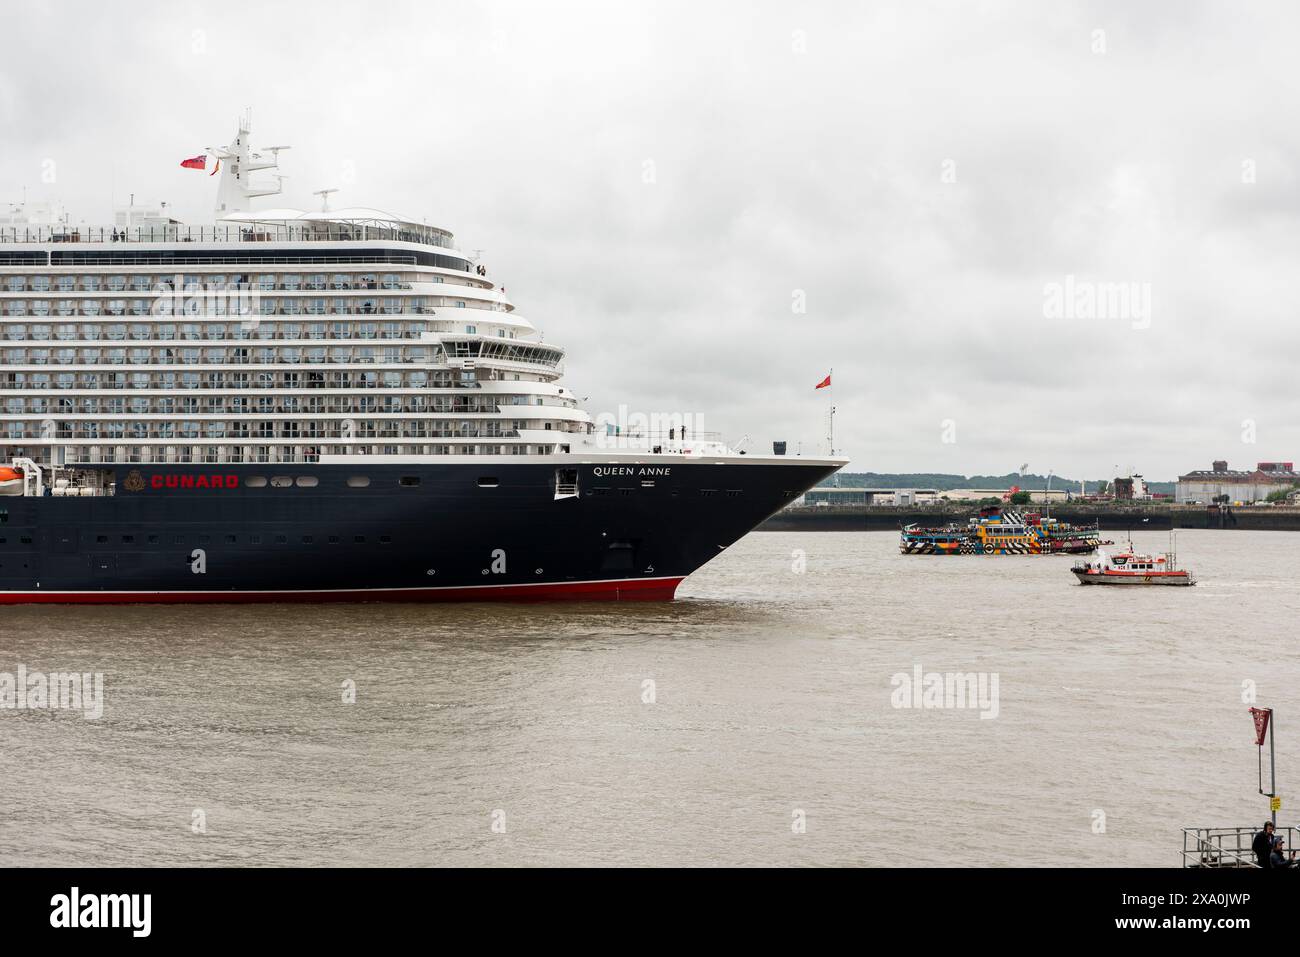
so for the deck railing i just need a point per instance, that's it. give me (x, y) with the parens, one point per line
(1215, 847)
(252, 233)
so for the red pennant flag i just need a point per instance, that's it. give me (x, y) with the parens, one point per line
(1261, 716)
(195, 162)
(824, 384)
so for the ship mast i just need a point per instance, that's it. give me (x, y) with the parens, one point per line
(236, 190)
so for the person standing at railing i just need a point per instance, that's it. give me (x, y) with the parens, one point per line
(1279, 857)
(1262, 846)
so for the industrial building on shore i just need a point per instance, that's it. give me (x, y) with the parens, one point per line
(826, 495)
(1222, 484)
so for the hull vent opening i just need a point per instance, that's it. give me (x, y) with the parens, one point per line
(619, 557)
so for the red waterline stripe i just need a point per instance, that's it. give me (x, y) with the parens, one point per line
(635, 589)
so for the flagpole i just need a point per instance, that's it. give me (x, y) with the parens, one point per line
(1272, 769)
(830, 430)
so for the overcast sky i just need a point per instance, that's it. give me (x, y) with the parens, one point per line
(662, 186)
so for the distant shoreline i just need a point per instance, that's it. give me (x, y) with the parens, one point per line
(858, 518)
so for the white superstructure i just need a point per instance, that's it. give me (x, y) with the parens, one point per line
(272, 336)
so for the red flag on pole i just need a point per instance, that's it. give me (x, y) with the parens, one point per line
(1261, 716)
(824, 384)
(195, 162)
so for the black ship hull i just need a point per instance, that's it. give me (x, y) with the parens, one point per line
(464, 531)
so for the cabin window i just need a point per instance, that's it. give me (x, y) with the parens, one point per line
(306, 481)
(487, 481)
(410, 481)
(281, 481)
(358, 481)
(255, 481)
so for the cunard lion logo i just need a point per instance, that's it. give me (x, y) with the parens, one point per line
(134, 481)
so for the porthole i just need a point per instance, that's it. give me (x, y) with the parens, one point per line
(488, 481)
(358, 481)
(410, 481)
(255, 481)
(281, 481)
(306, 481)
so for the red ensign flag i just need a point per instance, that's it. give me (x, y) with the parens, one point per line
(1261, 716)
(825, 383)
(195, 162)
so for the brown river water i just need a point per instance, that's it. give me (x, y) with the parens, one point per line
(752, 721)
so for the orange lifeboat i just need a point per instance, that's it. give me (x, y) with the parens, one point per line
(11, 482)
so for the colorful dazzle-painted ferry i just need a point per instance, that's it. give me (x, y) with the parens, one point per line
(1002, 532)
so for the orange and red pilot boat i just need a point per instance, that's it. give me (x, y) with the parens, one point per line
(1132, 568)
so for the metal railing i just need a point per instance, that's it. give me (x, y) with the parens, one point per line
(256, 232)
(1215, 847)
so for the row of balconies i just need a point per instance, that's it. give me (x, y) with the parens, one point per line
(164, 384)
(198, 283)
(221, 354)
(141, 432)
(298, 453)
(285, 405)
(242, 310)
(285, 356)
(250, 330)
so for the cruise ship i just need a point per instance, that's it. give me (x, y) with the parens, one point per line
(336, 405)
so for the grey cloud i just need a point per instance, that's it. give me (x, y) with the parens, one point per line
(525, 128)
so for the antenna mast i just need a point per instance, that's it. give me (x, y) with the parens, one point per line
(324, 195)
